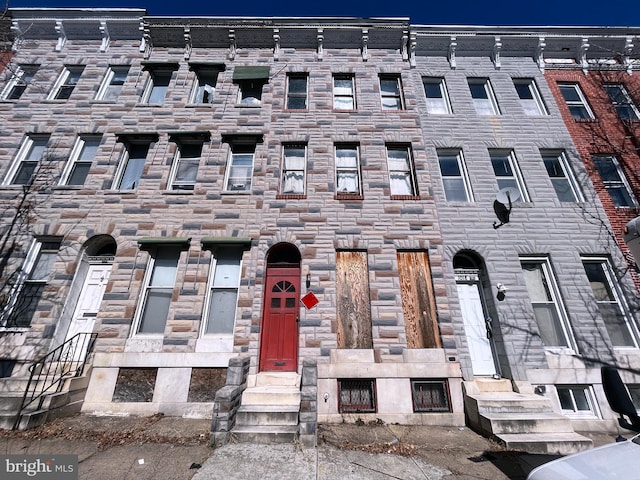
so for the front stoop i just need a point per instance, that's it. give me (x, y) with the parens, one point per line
(520, 421)
(269, 409)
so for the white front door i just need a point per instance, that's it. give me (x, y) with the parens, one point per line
(476, 329)
(84, 315)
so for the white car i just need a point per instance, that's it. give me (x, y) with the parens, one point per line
(609, 462)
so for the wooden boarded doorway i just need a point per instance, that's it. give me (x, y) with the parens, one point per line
(353, 301)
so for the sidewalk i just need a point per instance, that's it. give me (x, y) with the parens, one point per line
(171, 448)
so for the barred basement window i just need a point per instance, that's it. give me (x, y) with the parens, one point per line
(357, 395)
(430, 396)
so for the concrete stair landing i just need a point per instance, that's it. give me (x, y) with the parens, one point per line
(269, 409)
(521, 421)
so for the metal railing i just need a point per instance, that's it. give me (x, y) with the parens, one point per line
(49, 373)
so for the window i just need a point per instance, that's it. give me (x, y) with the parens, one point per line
(357, 395)
(112, 83)
(391, 92)
(430, 396)
(297, 91)
(23, 169)
(132, 162)
(184, 169)
(347, 170)
(621, 101)
(19, 82)
(250, 81)
(561, 175)
(437, 98)
(66, 82)
(31, 281)
(634, 392)
(545, 300)
(222, 300)
(159, 282)
(530, 98)
(80, 160)
(455, 179)
(240, 168)
(614, 180)
(576, 101)
(294, 164)
(204, 86)
(576, 401)
(401, 174)
(484, 100)
(609, 301)
(344, 96)
(158, 83)
(508, 175)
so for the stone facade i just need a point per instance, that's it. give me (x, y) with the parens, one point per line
(318, 222)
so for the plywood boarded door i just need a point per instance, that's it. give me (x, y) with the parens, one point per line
(418, 300)
(353, 301)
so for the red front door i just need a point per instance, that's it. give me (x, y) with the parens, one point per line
(279, 345)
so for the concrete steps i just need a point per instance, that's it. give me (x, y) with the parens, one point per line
(269, 409)
(522, 421)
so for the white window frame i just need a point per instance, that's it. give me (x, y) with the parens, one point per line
(408, 172)
(622, 91)
(68, 73)
(397, 97)
(556, 302)
(533, 106)
(28, 268)
(617, 301)
(123, 163)
(147, 288)
(488, 105)
(76, 158)
(205, 82)
(354, 171)
(567, 174)
(24, 156)
(22, 76)
(297, 95)
(437, 105)
(233, 156)
(593, 411)
(152, 85)
(622, 182)
(213, 284)
(286, 170)
(108, 86)
(580, 103)
(463, 173)
(337, 94)
(182, 185)
(516, 175)
(634, 393)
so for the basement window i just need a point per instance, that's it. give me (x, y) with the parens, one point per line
(135, 385)
(577, 401)
(205, 383)
(430, 396)
(357, 395)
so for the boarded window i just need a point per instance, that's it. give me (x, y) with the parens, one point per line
(430, 396)
(205, 382)
(357, 395)
(135, 385)
(418, 300)
(353, 305)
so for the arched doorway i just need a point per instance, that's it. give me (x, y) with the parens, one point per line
(280, 311)
(478, 325)
(89, 286)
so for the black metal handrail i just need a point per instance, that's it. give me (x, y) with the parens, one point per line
(49, 373)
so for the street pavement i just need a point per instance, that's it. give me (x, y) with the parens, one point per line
(171, 448)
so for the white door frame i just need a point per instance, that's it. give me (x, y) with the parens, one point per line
(476, 323)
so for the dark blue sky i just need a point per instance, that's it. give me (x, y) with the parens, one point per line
(439, 12)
